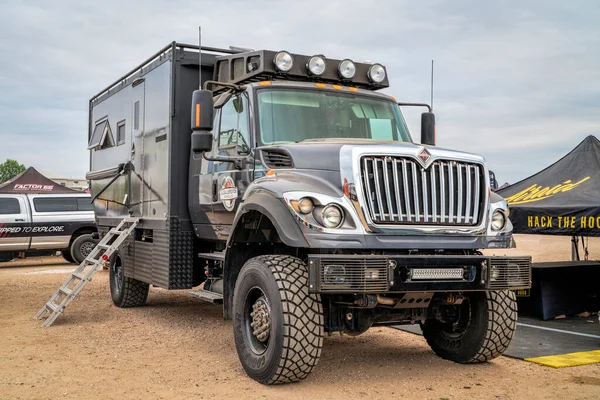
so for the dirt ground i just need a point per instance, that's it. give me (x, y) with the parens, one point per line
(180, 347)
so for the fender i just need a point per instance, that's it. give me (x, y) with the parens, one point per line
(274, 209)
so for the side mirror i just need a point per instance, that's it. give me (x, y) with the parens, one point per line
(428, 128)
(202, 110)
(202, 120)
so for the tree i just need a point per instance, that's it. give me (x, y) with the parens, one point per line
(9, 169)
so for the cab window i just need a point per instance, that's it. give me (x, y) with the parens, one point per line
(9, 206)
(234, 134)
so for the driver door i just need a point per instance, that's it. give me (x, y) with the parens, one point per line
(232, 139)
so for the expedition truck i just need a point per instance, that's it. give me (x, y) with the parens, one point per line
(291, 190)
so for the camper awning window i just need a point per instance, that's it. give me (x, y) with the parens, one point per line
(102, 137)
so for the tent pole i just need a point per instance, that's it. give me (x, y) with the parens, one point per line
(574, 248)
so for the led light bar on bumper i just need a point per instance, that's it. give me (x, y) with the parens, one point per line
(354, 273)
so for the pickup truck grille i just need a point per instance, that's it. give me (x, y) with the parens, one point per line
(399, 191)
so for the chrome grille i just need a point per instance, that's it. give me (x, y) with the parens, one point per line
(360, 274)
(399, 190)
(509, 273)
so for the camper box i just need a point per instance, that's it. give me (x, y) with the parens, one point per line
(139, 142)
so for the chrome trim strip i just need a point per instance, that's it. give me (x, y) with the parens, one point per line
(459, 202)
(366, 173)
(416, 192)
(468, 196)
(388, 195)
(425, 195)
(377, 188)
(406, 199)
(397, 185)
(450, 193)
(433, 193)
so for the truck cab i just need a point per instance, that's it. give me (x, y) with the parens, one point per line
(292, 191)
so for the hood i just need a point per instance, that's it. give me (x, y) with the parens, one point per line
(324, 154)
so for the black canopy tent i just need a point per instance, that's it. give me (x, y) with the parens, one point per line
(31, 181)
(562, 199)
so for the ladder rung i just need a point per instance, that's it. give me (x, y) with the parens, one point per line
(115, 232)
(52, 307)
(78, 275)
(103, 246)
(65, 290)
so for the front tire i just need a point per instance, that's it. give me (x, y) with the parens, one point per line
(481, 330)
(125, 291)
(82, 246)
(278, 325)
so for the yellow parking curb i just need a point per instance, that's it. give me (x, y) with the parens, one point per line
(568, 360)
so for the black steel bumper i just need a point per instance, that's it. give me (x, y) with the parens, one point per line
(401, 273)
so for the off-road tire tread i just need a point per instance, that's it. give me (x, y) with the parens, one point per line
(302, 319)
(135, 293)
(501, 326)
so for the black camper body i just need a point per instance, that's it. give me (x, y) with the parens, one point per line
(139, 134)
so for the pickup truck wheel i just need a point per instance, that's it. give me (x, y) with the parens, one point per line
(67, 255)
(82, 246)
(278, 325)
(476, 331)
(125, 291)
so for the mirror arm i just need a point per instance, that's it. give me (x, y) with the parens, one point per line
(416, 105)
(237, 161)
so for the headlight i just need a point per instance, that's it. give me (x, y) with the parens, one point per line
(334, 274)
(283, 61)
(498, 220)
(347, 69)
(376, 73)
(305, 205)
(332, 216)
(316, 65)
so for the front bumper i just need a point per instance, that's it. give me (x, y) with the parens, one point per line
(427, 273)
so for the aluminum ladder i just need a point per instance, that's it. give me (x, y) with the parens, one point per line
(67, 292)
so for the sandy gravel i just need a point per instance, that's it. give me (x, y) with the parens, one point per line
(179, 347)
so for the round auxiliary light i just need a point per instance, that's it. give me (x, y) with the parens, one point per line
(305, 205)
(283, 61)
(316, 65)
(376, 73)
(332, 216)
(498, 220)
(347, 69)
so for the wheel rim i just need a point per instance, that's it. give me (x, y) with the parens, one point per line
(117, 275)
(257, 321)
(459, 319)
(86, 248)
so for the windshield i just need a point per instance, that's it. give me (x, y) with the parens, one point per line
(295, 115)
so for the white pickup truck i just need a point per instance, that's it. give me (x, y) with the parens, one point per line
(62, 222)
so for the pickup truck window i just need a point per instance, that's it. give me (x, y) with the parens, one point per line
(9, 206)
(62, 204)
(287, 115)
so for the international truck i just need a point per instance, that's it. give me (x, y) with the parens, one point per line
(288, 188)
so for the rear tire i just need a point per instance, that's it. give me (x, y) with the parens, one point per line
(82, 246)
(278, 325)
(482, 332)
(125, 291)
(67, 255)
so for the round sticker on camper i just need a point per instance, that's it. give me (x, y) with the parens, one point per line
(228, 193)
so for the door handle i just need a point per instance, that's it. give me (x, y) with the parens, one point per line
(19, 220)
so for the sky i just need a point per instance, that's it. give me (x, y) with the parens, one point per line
(517, 82)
